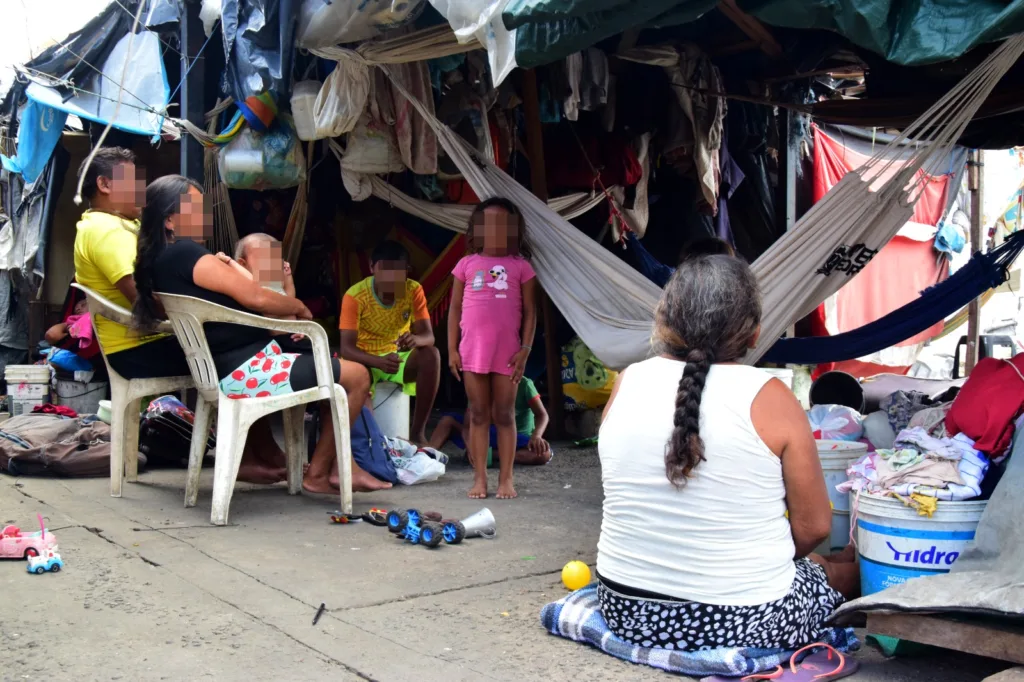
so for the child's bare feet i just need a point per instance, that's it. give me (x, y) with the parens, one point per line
(479, 489)
(363, 482)
(317, 486)
(506, 491)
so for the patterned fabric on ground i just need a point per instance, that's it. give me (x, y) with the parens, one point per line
(265, 374)
(577, 616)
(787, 623)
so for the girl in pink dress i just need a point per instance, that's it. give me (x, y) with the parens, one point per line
(494, 312)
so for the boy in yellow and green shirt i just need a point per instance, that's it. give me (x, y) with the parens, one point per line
(385, 326)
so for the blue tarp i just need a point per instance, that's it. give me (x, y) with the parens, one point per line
(39, 130)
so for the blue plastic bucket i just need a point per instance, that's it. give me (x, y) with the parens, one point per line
(896, 544)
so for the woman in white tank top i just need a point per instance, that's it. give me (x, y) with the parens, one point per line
(701, 458)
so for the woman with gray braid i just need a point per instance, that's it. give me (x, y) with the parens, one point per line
(702, 457)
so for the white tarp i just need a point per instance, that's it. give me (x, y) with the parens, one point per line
(480, 21)
(324, 23)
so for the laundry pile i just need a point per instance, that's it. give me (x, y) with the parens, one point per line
(944, 450)
(921, 465)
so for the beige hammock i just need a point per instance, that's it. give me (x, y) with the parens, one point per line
(611, 305)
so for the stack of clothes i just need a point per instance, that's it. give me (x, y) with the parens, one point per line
(921, 469)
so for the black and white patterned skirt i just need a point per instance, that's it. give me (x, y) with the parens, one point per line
(788, 623)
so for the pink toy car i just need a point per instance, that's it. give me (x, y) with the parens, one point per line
(17, 545)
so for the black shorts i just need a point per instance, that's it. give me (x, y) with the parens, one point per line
(155, 359)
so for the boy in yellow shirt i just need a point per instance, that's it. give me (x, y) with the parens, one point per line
(385, 326)
(105, 246)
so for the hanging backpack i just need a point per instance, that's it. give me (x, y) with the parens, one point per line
(369, 449)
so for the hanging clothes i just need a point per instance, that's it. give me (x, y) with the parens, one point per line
(732, 176)
(594, 82)
(416, 141)
(611, 306)
(613, 156)
(573, 79)
(691, 79)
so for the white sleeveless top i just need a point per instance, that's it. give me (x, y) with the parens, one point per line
(723, 538)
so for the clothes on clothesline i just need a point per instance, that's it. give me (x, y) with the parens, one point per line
(989, 402)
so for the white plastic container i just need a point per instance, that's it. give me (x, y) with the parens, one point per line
(83, 398)
(27, 386)
(391, 409)
(103, 411)
(836, 457)
(303, 99)
(897, 545)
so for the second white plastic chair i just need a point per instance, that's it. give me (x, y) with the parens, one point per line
(125, 397)
(235, 416)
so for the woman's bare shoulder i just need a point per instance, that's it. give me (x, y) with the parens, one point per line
(777, 415)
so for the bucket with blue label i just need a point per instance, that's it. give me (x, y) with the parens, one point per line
(896, 544)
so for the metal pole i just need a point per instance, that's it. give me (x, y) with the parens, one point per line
(539, 180)
(191, 30)
(976, 184)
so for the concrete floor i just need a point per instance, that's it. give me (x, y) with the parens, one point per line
(152, 592)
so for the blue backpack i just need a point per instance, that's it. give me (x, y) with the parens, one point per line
(369, 449)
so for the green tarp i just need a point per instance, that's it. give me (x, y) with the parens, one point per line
(908, 32)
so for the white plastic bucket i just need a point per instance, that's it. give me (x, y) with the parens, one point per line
(896, 544)
(304, 95)
(83, 398)
(27, 386)
(836, 457)
(391, 409)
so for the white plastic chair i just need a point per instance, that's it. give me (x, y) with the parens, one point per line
(126, 395)
(187, 315)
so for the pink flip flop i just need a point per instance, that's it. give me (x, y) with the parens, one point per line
(826, 665)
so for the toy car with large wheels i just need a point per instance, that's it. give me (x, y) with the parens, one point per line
(410, 525)
(453, 531)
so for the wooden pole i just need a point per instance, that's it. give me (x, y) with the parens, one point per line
(191, 43)
(539, 181)
(976, 183)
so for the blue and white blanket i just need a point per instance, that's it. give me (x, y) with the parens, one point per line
(577, 616)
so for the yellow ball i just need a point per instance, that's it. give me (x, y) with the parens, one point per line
(575, 575)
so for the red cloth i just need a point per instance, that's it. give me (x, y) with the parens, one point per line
(988, 404)
(48, 408)
(898, 272)
(611, 155)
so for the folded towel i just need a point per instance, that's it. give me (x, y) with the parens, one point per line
(577, 616)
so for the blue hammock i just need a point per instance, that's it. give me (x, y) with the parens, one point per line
(981, 273)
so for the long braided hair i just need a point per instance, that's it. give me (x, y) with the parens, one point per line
(710, 312)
